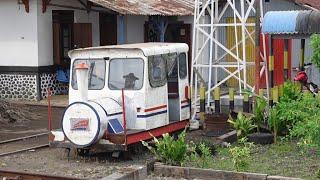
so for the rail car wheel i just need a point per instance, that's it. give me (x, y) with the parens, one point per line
(83, 152)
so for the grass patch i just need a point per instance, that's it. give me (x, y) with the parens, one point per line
(284, 158)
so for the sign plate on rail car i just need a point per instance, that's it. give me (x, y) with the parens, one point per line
(79, 124)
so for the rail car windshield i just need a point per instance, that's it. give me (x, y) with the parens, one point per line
(126, 74)
(97, 73)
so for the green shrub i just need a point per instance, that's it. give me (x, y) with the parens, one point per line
(315, 45)
(178, 152)
(259, 111)
(241, 154)
(287, 113)
(243, 125)
(168, 150)
(274, 122)
(200, 156)
(291, 91)
(308, 131)
(300, 117)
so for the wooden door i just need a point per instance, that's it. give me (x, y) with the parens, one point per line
(62, 27)
(56, 43)
(108, 29)
(180, 33)
(82, 35)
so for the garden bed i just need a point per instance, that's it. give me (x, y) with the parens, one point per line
(292, 124)
(198, 173)
(284, 158)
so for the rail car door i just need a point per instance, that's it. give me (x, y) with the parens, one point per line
(183, 86)
(173, 88)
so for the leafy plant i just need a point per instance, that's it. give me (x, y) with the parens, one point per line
(315, 45)
(308, 131)
(260, 106)
(291, 91)
(289, 111)
(200, 156)
(178, 152)
(241, 154)
(243, 125)
(274, 122)
(168, 150)
(206, 143)
(259, 111)
(318, 174)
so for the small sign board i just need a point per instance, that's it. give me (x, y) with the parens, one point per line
(79, 124)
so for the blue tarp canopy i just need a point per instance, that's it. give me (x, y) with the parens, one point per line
(291, 22)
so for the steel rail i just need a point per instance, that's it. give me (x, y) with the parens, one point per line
(23, 138)
(25, 149)
(8, 174)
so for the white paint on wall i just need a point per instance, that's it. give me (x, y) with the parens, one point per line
(18, 34)
(135, 28)
(81, 16)
(26, 38)
(45, 27)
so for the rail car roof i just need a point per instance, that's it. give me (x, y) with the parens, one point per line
(147, 48)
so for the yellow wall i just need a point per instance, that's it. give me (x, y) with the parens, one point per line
(250, 51)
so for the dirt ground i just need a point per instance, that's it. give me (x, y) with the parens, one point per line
(33, 119)
(54, 162)
(29, 119)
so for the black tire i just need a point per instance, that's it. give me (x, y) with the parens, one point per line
(261, 138)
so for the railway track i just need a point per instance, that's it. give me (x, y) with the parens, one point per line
(22, 144)
(15, 175)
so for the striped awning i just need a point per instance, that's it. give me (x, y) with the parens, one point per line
(291, 22)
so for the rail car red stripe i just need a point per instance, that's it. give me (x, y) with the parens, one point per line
(155, 108)
(144, 135)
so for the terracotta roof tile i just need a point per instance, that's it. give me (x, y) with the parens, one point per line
(313, 3)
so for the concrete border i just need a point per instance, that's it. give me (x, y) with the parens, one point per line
(140, 173)
(163, 170)
(137, 174)
(198, 173)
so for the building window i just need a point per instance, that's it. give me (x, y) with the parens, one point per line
(62, 36)
(66, 40)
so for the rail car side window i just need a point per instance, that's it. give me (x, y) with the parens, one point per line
(97, 73)
(172, 66)
(157, 71)
(183, 65)
(126, 74)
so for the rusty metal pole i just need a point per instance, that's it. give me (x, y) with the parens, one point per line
(49, 110)
(124, 118)
(257, 46)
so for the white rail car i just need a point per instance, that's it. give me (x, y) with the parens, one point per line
(122, 94)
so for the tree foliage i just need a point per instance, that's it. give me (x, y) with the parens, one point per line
(315, 45)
